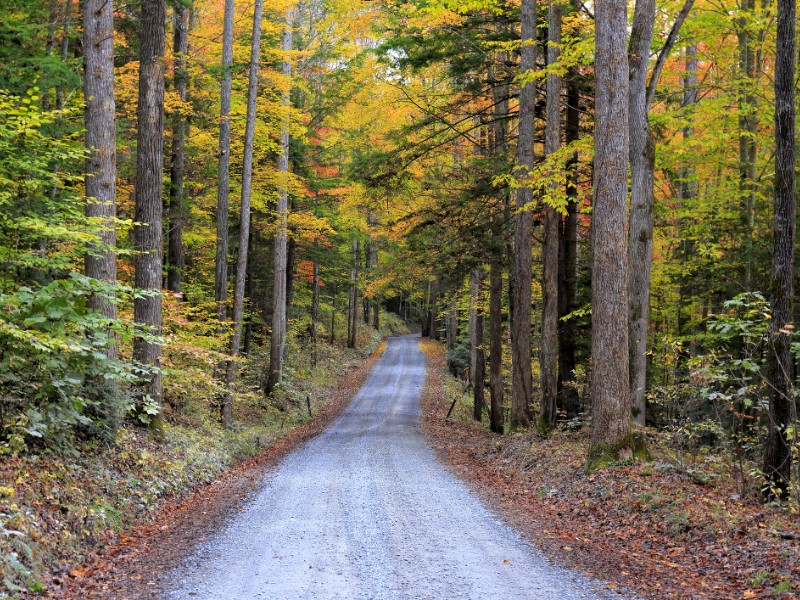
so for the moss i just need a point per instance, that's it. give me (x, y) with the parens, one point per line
(633, 446)
(543, 428)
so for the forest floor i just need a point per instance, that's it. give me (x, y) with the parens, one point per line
(81, 526)
(667, 528)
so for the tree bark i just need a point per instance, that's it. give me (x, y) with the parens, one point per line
(101, 147)
(223, 176)
(777, 453)
(552, 221)
(64, 49)
(180, 126)
(476, 346)
(244, 217)
(640, 235)
(568, 256)
(314, 309)
(611, 412)
(352, 312)
(452, 324)
(475, 276)
(748, 129)
(496, 335)
(521, 377)
(147, 231)
(278, 337)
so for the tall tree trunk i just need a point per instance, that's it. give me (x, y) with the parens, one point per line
(314, 309)
(521, 377)
(496, 334)
(244, 217)
(333, 316)
(223, 177)
(552, 221)
(748, 128)
(777, 453)
(611, 411)
(568, 256)
(640, 237)
(64, 49)
(452, 324)
(474, 300)
(180, 126)
(278, 338)
(352, 312)
(433, 313)
(478, 371)
(101, 147)
(149, 205)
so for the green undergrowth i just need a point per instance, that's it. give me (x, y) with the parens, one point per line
(55, 505)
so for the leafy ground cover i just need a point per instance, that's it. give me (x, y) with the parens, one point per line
(78, 525)
(676, 526)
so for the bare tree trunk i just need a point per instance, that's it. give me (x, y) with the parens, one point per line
(101, 147)
(452, 324)
(433, 313)
(333, 316)
(223, 177)
(496, 335)
(611, 411)
(748, 128)
(244, 218)
(476, 345)
(147, 231)
(64, 50)
(278, 337)
(552, 221)
(352, 312)
(475, 276)
(180, 126)
(640, 237)
(521, 377)
(314, 309)
(568, 256)
(777, 452)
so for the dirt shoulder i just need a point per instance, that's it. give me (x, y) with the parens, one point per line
(128, 566)
(657, 529)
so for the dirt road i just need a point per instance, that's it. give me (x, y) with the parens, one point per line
(366, 511)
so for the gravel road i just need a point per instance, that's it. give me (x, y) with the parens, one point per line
(365, 511)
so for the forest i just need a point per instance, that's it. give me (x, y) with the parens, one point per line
(212, 210)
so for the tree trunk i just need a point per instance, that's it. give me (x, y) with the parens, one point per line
(278, 337)
(180, 126)
(568, 256)
(244, 218)
(611, 411)
(433, 314)
(777, 453)
(748, 129)
(496, 335)
(314, 310)
(64, 50)
(476, 345)
(521, 377)
(147, 231)
(552, 221)
(452, 324)
(101, 147)
(223, 177)
(640, 236)
(475, 277)
(352, 312)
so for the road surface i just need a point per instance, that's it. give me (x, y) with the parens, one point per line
(365, 511)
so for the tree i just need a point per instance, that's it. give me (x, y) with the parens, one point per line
(280, 296)
(100, 141)
(244, 219)
(610, 390)
(223, 177)
(521, 378)
(552, 222)
(180, 126)
(777, 453)
(148, 213)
